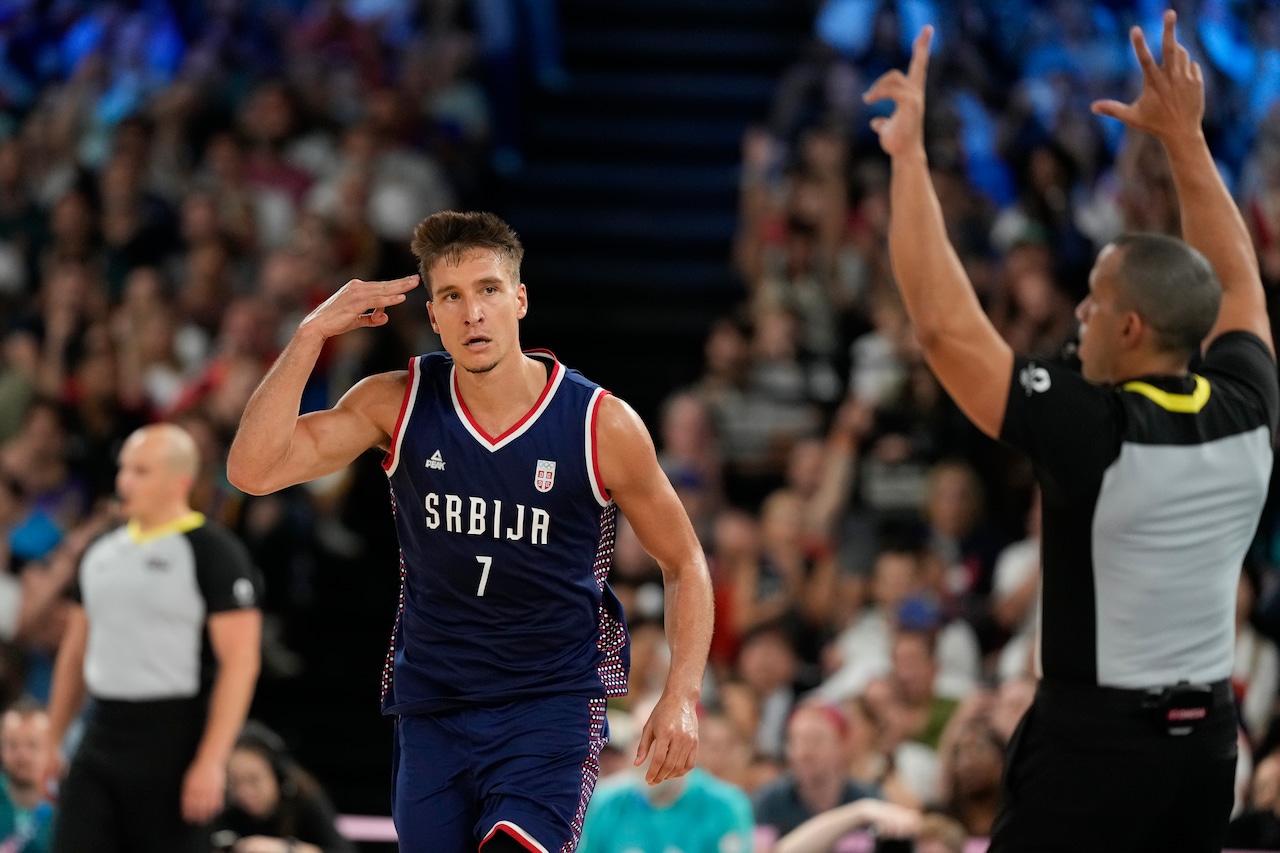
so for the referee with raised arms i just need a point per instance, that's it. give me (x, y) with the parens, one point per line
(167, 642)
(1153, 479)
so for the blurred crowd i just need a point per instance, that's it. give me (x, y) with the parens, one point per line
(181, 183)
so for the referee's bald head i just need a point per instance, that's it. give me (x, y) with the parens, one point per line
(171, 444)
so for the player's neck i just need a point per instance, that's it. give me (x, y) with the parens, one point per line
(510, 389)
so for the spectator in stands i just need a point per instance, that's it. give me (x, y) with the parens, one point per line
(817, 777)
(1256, 676)
(1259, 827)
(26, 812)
(870, 763)
(697, 811)
(1010, 703)
(825, 831)
(272, 802)
(863, 649)
(724, 752)
(762, 701)
(1016, 597)
(912, 676)
(973, 764)
(967, 544)
(690, 456)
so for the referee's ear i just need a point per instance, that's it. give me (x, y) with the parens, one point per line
(1134, 331)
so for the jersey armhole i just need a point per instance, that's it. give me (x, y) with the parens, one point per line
(593, 455)
(392, 459)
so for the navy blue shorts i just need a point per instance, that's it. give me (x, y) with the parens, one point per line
(526, 768)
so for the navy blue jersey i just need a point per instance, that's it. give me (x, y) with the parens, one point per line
(505, 547)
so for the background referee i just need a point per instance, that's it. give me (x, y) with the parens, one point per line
(167, 643)
(1153, 480)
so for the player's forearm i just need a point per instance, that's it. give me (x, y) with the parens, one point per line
(229, 702)
(267, 426)
(934, 286)
(1211, 220)
(689, 619)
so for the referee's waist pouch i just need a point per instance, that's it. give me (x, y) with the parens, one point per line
(1176, 710)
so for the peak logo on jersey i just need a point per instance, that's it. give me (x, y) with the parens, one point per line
(1034, 380)
(435, 461)
(544, 476)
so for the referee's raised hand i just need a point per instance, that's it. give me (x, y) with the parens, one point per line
(903, 131)
(1171, 103)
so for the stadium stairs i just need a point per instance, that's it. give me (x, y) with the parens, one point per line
(628, 199)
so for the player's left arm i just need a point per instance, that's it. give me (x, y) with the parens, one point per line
(236, 639)
(631, 474)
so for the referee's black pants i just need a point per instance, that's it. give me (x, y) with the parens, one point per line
(123, 792)
(1087, 770)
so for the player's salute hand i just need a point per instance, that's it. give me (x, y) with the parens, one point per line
(1172, 99)
(356, 304)
(903, 131)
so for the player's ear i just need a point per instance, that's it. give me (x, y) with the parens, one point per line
(522, 297)
(431, 315)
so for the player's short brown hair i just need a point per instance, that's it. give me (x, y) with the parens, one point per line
(450, 234)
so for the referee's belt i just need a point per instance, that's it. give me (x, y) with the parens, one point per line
(1176, 708)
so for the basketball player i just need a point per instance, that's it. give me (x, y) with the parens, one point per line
(507, 471)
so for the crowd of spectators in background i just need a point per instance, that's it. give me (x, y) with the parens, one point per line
(180, 184)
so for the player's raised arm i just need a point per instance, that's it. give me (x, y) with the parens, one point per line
(962, 347)
(630, 471)
(274, 447)
(1171, 108)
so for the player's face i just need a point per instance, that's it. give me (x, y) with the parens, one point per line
(476, 308)
(1100, 318)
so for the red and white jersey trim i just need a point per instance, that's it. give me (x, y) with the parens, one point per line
(593, 453)
(526, 840)
(520, 427)
(392, 459)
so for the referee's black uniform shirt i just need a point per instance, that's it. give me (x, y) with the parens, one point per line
(1152, 491)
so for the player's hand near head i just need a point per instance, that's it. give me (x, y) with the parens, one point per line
(903, 131)
(669, 739)
(356, 304)
(1171, 103)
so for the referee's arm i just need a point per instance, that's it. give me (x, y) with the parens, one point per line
(1171, 108)
(236, 638)
(67, 692)
(962, 347)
